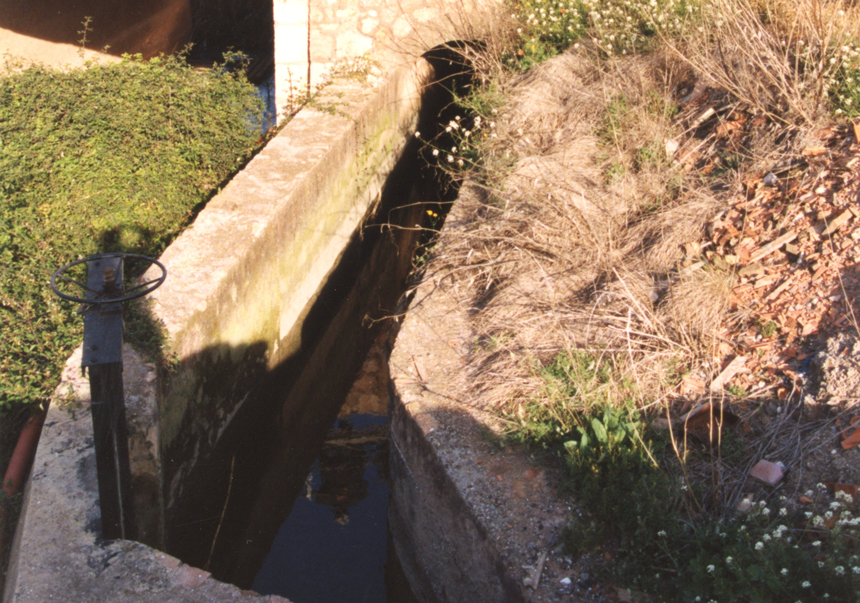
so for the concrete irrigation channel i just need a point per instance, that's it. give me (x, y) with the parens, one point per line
(274, 298)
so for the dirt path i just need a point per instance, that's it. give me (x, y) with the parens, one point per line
(54, 54)
(47, 31)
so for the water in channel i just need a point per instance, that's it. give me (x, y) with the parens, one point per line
(333, 546)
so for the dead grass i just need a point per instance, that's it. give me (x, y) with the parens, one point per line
(778, 56)
(583, 234)
(558, 261)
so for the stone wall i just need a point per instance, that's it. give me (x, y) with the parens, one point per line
(314, 36)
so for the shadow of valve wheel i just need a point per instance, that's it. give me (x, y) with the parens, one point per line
(112, 292)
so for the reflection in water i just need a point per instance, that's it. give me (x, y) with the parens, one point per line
(341, 468)
(266, 92)
(332, 547)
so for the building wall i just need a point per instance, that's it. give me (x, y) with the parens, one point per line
(149, 27)
(312, 37)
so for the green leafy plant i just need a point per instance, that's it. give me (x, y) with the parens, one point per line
(615, 473)
(114, 157)
(769, 329)
(614, 172)
(573, 384)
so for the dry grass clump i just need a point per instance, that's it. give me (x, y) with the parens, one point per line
(562, 258)
(788, 59)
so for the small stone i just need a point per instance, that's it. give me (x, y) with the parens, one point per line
(671, 147)
(837, 222)
(190, 577)
(368, 26)
(768, 472)
(531, 473)
(566, 581)
(814, 152)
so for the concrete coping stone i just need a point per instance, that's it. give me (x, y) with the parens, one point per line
(472, 521)
(58, 553)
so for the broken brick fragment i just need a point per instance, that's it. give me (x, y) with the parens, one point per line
(768, 472)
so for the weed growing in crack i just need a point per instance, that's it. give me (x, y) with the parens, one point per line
(456, 149)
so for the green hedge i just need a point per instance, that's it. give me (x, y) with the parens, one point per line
(114, 157)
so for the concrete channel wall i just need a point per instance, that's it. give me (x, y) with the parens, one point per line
(471, 520)
(240, 282)
(244, 275)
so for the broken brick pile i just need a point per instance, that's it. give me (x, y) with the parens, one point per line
(792, 238)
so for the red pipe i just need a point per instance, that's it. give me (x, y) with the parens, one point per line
(22, 457)
(16, 472)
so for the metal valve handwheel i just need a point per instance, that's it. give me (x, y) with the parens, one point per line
(119, 293)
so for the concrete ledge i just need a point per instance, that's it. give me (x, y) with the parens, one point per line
(58, 554)
(465, 515)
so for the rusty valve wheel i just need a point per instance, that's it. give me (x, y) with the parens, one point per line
(113, 292)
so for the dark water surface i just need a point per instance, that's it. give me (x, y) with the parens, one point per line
(334, 546)
(293, 500)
